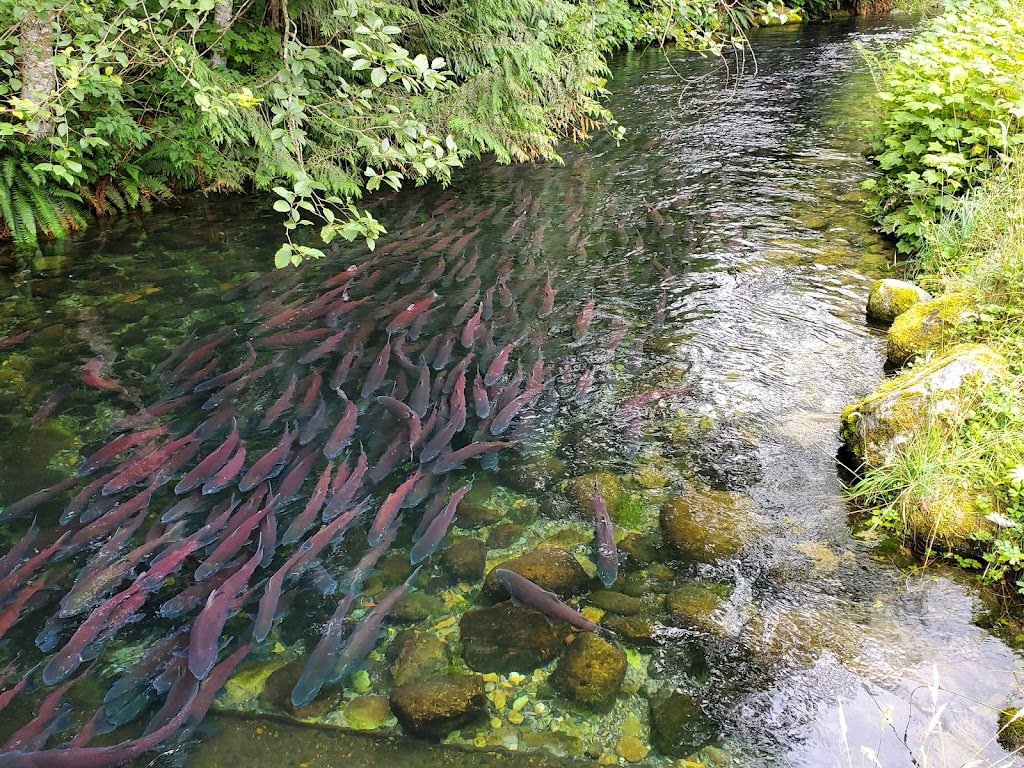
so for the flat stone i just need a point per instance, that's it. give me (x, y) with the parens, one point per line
(416, 656)
(504, 535)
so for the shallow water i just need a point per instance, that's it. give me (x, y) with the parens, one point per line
(729, 262)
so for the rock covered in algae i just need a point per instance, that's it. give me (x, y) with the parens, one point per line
(504, 535)
(278, 692)
(693, 604)
(643, 548)
(925, 325)
(531, 474)
(465, 559)
(416, 606)
(553, 569)
(637, 631)
(416, 656)
(1011, 730)
(470, 514)
(631, 749)
(432, 709)
(624, 605)
(368, 713)
(591, 672)
(708, 525)
(679, 726)
(890, 298)
(504, 638)
(580, 492)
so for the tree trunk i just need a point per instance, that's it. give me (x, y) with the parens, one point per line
(38, 75)
(222, 13)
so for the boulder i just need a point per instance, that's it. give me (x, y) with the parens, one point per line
(504, 535)
(553, 569)
(890, 298)
(506, 638)
(678, 725)
(470, 514)
(934, 394)
(416, 656)
(368, 713)
(617, 602)
(531, 474)
(591, 672)
(434, 708)
(636, 631)
(924, 326)
(709, 525)
(693, 604)
(278, 692)
(465, 559)
(580, 493)
(416, 606)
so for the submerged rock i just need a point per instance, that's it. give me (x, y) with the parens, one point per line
(434, 708)
(531, 474)
(709, 525)
(931, 395)
(678, 725)
(693, 604)
(890, 298)
(553, 569)
(504, 638)
(631, 749)
(624, 605)
(278, 692)
(1011, 730)
(368, 713)
(416, 656)
(470, 514)
(504, 535)
(637, 631)
(416, 606)
(465, 559)
(924, 326)
(591, 672)
(580, 493)
(642, 548)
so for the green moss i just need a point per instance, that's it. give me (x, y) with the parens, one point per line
(1011, 729)
(926, 326)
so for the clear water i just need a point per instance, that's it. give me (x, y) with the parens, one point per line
(725, 251)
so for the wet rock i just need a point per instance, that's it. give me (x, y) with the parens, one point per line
(434, 708)
(642, 548)
(580, 493)
(504, 535)
(531, 474)
(465, 559)
(278, 692)
(637, 631)
(631, 749)
(658, 579)
(708, 525)
(890, 298)
(416, 606)
(553, 569)
(651, 476)
(368, 713)
(924, 326)
(394, 568)
(472, 515)
(693, 604)
(504, 638)
(557, 743)
(416, 656)
(591, 672)
(616, 602)
(932, 394)
(678, 725)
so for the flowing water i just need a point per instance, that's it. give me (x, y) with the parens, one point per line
(724, 253)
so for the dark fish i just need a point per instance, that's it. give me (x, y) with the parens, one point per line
(444, 352)
(204, 471)
(378, 370)
(25, 505)
(441, 440)
(607, 553)
(226, 475)
(389, 509)
(229, 376)
(324, 348)
(270, 464)
(115, 517)
(52, 403)
(504, 417)
(481, 401)
(319, 666)
(343, 431)
(232, 544)
(466, 310)
(197, 593)
(428, 543)
(338, 503)
(9, 341)
(449, 462)
(315, 425)
(362, 570)
(525, 592)
(289, 339)
(220, 605)
(311, 392)
(280, 405)
(151, 413)
(304, 520)
(13, 609)
(407, 414)
(119, 445)
(13, 555)
(419, 400)
(342, 370)
(470, 267)
(232, 391)
(199, 356)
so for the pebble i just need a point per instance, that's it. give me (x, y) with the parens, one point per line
(495, 722)
(519, 703)
(515, 717)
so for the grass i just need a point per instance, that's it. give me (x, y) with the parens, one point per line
(977, 249)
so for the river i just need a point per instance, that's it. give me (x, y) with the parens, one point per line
(723, 251)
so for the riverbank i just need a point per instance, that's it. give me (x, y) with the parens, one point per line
(943, 440)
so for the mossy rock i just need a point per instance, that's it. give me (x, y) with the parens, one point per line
(890, 298)
(924, 326)
(368, 713)
(504, 535)
(580, 493)
(1011, 731)
(470, 514)
(416, 656)
(624, 605)
(636, 631)
(642, 548)
(465, 559)
(693, 604)
(434, 708)
(679, 726)
(652, 476)
(931, 395)
(507, 638)
(709, 525)
(555, 570)
(591, 672)
(531, 474)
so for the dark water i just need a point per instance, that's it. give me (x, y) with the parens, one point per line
(724, 250)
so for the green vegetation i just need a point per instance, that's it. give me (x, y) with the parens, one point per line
(952, 190)
(952, 112)
(109, 106)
